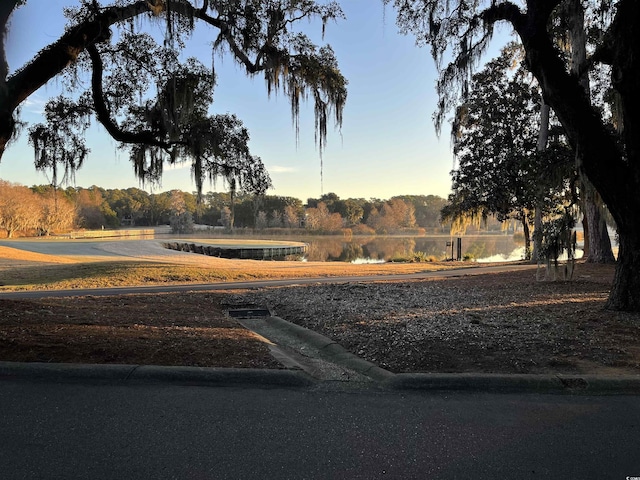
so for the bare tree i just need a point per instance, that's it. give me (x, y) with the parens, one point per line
(18, 208)
(56, 214)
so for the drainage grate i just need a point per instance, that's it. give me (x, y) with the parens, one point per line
(249, 312)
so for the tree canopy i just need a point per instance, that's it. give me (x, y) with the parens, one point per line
(499, 170)
(157, 105)
(608, 146)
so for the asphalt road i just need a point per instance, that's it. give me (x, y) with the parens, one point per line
(155, 431)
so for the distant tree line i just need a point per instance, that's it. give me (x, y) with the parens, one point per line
(43, 210)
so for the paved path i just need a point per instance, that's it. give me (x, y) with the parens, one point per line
(457, 272)
(102, 249)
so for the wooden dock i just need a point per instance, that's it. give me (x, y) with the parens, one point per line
(258, 252)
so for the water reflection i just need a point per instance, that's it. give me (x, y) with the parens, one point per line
(390, 248)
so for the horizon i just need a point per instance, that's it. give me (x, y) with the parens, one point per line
(206, 192)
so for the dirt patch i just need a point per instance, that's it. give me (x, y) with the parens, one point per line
(167, 329)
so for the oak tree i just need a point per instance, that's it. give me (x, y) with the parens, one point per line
(460, 31)
(499, 170)
(154, 103)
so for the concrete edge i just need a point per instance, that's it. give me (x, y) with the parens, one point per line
(311, 337)
(428, 382)
(601, 383)
(331, 350)
(524, 383)
(154, 373)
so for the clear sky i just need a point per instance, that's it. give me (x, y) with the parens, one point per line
(387, 145)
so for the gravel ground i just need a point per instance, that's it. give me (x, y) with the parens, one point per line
(498, 323)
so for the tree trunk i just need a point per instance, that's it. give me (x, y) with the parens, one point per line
(597, 245)
(232, 216)
(625, 292)
(625, 77)
(543, 139)
(537, 228)
(527, 237)
(615, 176)
(586, 248)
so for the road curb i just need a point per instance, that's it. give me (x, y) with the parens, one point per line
(428, 382)
(602, 384)
(153, 373)
(60, 371)
(525, 383)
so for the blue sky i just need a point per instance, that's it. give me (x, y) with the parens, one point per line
(387, 145)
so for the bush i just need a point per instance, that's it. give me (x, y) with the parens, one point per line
(415, 257)
(423, 257)
(476, 250)
(182, 223)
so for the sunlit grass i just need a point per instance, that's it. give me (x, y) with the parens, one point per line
(109, 274)
(120, 274)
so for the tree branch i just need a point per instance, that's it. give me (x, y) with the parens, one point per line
(542, 9)
(104, 116)
(95, 29)
(505, 11)
(6, 9)
(54, 58)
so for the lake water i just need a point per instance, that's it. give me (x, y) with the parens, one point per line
(482, 248)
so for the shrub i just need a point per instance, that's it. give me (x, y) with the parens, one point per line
(182, 223)
(415, 257)
(423, 257)
(476, 250)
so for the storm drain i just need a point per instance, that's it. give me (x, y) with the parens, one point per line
(249, 312)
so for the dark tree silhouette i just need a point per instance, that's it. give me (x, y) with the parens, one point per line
(462, 29)
(155, 105)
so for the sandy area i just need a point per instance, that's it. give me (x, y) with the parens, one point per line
(10, 257)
